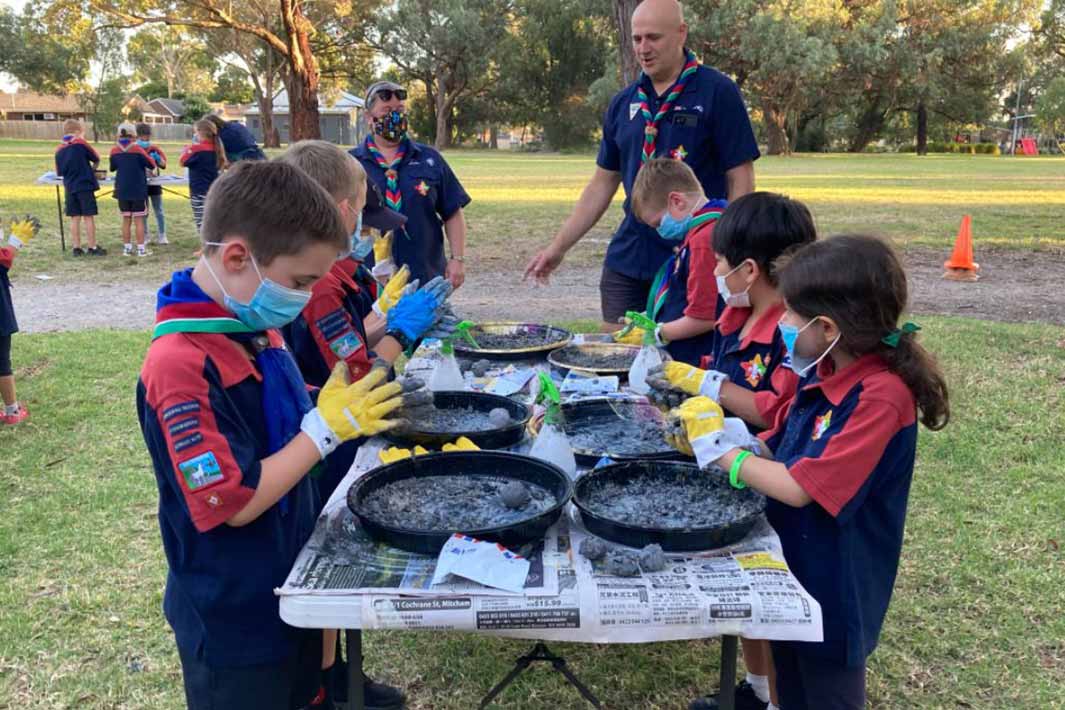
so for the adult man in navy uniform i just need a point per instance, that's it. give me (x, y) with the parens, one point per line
(676, 108)
(417, 182)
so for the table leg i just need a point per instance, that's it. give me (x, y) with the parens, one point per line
(726, 694)
(59, 211)
(356, 696)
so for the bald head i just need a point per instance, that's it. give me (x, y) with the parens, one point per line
(658, 38)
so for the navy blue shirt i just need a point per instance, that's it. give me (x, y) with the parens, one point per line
(75, 162)
(199, 403)
(708, 128)
(8, 324)
(239, 143)
(202, 162)
(129, 165)
(431, 195)
(849, 439)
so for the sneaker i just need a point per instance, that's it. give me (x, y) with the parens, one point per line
(127, 250)
(20, 416)
(96, 251)
(143, 252)
(161, 239)
(77, 251)
(745, 700)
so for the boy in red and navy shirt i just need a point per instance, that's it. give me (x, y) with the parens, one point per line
(683, 297)
(155, 192)
(129, 163)
(76, 162)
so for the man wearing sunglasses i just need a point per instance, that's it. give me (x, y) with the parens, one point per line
(417, 182)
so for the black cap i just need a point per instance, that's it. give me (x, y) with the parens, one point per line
(376, 215)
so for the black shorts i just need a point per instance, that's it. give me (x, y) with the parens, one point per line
(619, 293)
(289, 684)
(807, 682)
(133, 208)
(81, 204)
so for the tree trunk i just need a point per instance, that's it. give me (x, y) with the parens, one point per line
(493, 137)
(922, 128)
(302, 76)
(630, 68)
(443, 130)
(776, 129)
(870, 123)
(266, 117)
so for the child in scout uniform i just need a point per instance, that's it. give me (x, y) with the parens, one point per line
(204, 159)
(155, 192)
(748, 379)
(837, 464)
(19, 233)
(683, 297)
(129, 163)
(76, 162)
(232, 435)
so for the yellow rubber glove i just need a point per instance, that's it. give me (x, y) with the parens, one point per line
(700, 429)
(392, 292)
(633, 337)
(21, 231)
(682, 377)
(462, 444)
(382, 248)
(348, 411)
(395, 453)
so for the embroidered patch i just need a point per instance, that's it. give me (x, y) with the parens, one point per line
(184, 425)
(182, 444)
(346, 345)
(201, 471)
(678, 153)
(332, 324)
(422, 188)
(821, 425)
(634, 108)
(214, 500)
(179, 409)
(755, 368)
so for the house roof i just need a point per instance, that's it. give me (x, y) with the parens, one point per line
(344, 103)
(32, 101)
(171, 107)
(229, 111)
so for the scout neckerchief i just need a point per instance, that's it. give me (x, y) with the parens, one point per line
(393, 197)
(650, 130)
(660, 286)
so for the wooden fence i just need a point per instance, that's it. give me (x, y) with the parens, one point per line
(53, 130)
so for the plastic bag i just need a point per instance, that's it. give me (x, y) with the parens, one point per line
(552, 445)
(646, 360)
(446, 375)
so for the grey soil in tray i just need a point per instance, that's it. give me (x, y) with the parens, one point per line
(460, 419)
(454, 503)
(512, 341)
(671, 501)
(573, 357)
(627, 437)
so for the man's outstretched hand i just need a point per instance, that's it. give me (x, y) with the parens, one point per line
(541, 265)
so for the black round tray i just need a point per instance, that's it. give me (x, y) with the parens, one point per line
(479, 401)
(552, 337)
(486, 463)
(671, 539)
(580, 413)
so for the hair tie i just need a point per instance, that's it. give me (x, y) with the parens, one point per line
(892, 338)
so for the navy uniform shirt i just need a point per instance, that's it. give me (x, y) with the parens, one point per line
(202, 162)
(8, 324)
(755, 361)
(849, 438)
(708, 128)
(431, 196)
(239, 143)
(199, 402)
(75, 162)
(690, 288)
(129, 164)
(156, 154)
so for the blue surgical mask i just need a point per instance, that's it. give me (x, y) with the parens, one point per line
(124, 141)
(738, 300)
(271, 306)
(144, 144)
(799, 364)
(673, 229)
(360, 246)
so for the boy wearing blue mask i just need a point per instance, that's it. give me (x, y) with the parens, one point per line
(683, 298)
(232, 434)
(155, 192)
(130, 164)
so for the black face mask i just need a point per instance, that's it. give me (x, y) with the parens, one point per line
(392, 126)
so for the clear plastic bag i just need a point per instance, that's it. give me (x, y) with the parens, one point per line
(552, 445)
(646, 360)
(446, 375)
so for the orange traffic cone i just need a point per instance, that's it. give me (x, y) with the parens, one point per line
(960, 266)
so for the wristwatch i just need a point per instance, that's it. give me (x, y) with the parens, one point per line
(404, 341)
(460, 259)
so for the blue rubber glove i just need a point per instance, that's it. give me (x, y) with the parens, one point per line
(413, 315)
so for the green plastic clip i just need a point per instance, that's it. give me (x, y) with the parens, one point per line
(550, 395)
(642, 320)
(463, 330)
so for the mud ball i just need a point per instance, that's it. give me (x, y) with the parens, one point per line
(652, 559)
(622, 563)
(499, 418)
(411, 384)
(418, 398)
(515, 495)
(480, 368)
(593, 548)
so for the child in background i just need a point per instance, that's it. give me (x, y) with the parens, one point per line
(130, 163)
(203, 159)
(683, 298)
(19, 233)
(840, 456)
(155, 192)
(76, 162)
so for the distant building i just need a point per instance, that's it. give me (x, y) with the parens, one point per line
(163, 111)
(23, 105)
(339, 121)
(229, 112)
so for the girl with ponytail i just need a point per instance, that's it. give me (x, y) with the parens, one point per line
(204, 159)
(839, 460)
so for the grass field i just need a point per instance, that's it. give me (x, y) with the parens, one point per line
(975, 622)
(520, 200)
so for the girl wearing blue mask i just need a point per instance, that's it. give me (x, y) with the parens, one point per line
(843, 454)
(683, 295)
(155, 192)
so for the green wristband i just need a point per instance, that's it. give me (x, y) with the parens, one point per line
(734, 470)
